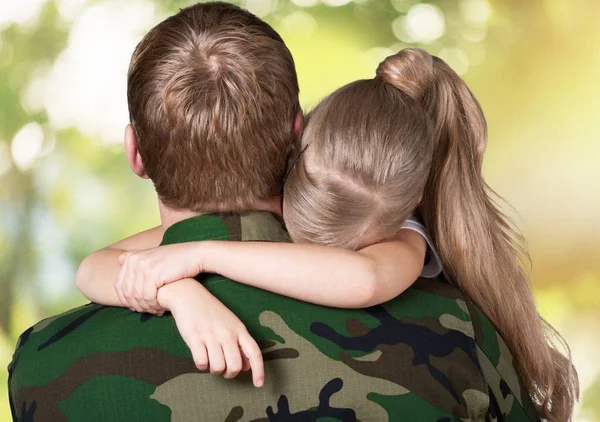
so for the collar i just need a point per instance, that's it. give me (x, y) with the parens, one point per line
(248, 226)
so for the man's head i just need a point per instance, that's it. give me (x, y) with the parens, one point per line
(213, 96)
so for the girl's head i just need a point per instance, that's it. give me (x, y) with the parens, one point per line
(369, 150)
(414, 137)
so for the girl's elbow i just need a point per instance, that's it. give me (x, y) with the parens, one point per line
(372, 298)
(79, 281)
(81, 275)
(368, 294)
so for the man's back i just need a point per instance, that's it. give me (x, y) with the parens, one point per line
(426, 355)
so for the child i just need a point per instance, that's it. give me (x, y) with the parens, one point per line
(372, 153)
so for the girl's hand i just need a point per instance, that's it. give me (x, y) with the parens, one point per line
(144, 272)
(216, 337)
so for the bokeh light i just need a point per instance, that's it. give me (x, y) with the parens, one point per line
(456, 58)
(336, 3)
(86, 86)
(66, 189)
(475, 11)
(24, 12)
(27, 145)
(300, 23)
(260, 8)
(425, 23)
(305, 3)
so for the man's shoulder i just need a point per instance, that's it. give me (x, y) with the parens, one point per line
(417, 354)
(507, 389)
(508, 397)
(418, 347)
(467, 331)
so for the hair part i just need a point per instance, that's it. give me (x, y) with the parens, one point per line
(415, 136)
(345, 181)
(212, 95)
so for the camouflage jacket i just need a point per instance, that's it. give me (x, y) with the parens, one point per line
(428, 355)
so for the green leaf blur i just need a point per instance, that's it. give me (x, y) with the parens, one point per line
(66, 189)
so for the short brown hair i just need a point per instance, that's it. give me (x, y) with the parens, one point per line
(212, 95)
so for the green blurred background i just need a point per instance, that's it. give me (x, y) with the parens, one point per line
(66, 190)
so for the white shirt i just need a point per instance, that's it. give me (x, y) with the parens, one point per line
(433, 265)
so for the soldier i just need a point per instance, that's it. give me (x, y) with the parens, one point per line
(213, 98)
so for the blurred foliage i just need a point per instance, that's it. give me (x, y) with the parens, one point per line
(529, 63)
(590, 402)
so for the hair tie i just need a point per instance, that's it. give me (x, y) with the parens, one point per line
(294, 163)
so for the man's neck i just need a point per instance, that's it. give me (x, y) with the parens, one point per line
(170, 216)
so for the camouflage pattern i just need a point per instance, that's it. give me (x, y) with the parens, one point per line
(428, 355)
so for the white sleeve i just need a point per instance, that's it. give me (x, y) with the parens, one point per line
(433, 265)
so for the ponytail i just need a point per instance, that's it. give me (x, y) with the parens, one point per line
(482, 254)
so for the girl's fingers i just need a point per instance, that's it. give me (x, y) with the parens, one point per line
(119, 285)
(137, 290)
(254, 355)
(149, 292)
(245, 362)
(128, 288)
(200, 356)
(216, 360)
(136, 305)
(123, 257)
(233, 359)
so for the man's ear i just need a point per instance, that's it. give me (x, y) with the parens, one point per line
(298, 124)
(133, 155)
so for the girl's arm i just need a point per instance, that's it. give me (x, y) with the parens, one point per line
(96, 275)
(318, 274)
(213, 333)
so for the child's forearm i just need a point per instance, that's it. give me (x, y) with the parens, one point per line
(169, 294)
(323, 275)
(337, 278)
(96, 276)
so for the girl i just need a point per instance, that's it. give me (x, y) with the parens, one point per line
(373, 152)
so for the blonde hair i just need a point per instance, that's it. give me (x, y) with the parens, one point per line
(414, 136)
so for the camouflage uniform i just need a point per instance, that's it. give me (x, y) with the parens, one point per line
(428, 355)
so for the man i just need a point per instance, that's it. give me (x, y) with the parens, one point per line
(213, 99)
